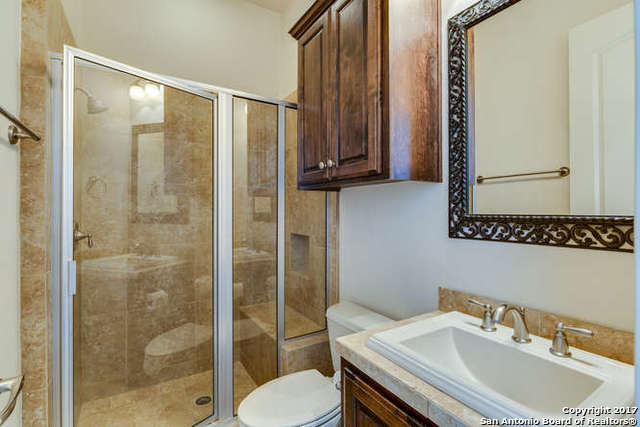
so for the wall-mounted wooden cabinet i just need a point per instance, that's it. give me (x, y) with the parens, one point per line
(366, 403)
(368, 92)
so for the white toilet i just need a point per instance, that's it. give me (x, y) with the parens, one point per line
(308, 398)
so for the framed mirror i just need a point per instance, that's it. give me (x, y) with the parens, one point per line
(541, 123)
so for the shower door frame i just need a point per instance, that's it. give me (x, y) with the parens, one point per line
(64, 244)
(63, 281)
(225, 99)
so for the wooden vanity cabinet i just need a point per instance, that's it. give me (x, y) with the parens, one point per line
(367, 404)
(368, 92)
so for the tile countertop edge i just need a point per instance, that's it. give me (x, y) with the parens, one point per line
(420, 395)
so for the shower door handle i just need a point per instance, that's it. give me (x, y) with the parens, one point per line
(13, 386)
(79, 235)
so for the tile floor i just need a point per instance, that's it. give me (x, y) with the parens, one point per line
(168, 404)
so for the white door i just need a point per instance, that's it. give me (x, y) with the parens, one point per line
(601, 73)
(9, 248)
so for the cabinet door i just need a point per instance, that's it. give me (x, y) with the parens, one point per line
(357, 87)
(363, 405)
(313, 83)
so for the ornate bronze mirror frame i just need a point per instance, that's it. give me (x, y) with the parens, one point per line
(588, 232)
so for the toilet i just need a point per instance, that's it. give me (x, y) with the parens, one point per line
(162, 351)
(308, 398)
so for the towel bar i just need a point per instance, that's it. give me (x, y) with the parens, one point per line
(14, 134)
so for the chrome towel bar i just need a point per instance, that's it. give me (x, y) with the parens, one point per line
(14, 131)
(562, 172)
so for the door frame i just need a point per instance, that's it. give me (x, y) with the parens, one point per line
(636, 223)
(586, 139)
(64, 244)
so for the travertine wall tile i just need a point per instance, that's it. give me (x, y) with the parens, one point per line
(34, 227)
(306, 223)
(307, 353)
(608, 342)
(334, 272)
(34, 408)
(34, 332)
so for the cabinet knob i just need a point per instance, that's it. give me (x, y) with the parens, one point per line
(330, 163)
(321, 165)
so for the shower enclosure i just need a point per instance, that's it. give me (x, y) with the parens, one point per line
(183, 256)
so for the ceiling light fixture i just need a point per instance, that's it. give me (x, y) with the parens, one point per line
(152, 90)
(136, 92)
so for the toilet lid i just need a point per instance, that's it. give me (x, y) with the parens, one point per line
(301, 399)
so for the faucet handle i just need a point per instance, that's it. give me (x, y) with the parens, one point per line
(488, 307)
(578, 331)
(560, 346)
(488, 323)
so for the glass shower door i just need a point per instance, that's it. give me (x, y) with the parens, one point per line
(255, 239)
(143, 206)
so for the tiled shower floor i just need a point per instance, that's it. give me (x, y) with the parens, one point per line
(168, 404)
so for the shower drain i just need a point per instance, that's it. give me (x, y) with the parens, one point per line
(203, 400)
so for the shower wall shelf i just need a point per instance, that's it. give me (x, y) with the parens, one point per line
(14, 134)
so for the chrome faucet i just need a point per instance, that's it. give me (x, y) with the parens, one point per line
(560, 346)
(491, 318)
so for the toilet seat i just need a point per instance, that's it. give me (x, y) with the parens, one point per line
(161, 351)
(305, 398)
(184, 337)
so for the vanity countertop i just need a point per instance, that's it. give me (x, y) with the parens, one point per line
(421, 396)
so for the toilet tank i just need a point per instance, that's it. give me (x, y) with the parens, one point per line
(347, 318)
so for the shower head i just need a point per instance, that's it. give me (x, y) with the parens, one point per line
(94, 105)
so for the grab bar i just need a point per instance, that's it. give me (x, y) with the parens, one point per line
(13, 386)
(14, 135)
(563, 171)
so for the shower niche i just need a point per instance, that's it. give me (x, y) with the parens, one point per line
(299, 260)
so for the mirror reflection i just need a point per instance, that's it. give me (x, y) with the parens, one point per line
(551, 109)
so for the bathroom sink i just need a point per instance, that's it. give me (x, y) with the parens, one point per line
(498, 377)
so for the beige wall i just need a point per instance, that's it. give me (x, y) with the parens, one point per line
(229, 43)
(525, 127)
(9, 247)
(288, 64)
(395, 251)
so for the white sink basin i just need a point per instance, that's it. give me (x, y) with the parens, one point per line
(498, 377)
